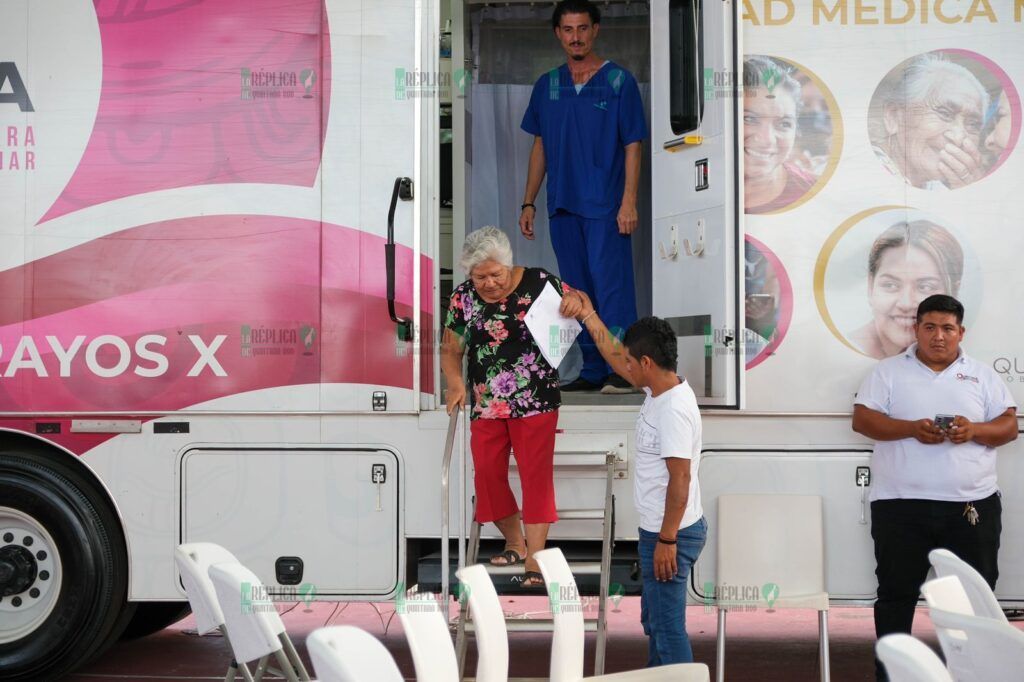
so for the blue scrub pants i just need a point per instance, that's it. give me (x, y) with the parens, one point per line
(663, 604)
(594, 257)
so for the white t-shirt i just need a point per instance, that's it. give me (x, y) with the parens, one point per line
(902, 387)
(667, 426)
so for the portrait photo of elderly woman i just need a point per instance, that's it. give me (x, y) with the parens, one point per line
(934, 119)
(514, 394)
(787, 134)
(906, 264)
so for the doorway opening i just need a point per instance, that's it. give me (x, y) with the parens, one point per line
(504, 49)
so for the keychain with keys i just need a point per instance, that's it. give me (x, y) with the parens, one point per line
(971, 513)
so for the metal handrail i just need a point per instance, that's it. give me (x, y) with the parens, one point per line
(446, 462)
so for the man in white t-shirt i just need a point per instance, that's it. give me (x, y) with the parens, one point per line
(667, 495)
(937, 417)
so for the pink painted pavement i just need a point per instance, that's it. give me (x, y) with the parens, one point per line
(763, 646)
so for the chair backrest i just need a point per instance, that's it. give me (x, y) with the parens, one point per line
(947, 593)
(983, 600)
(193, 561)
(567, 610)
(343, 653)
(430, 642)
(252, 622)
(908, 660)
(488, 622)
(772, 539)
(983, 648)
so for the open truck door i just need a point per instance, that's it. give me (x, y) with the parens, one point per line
(697, 227)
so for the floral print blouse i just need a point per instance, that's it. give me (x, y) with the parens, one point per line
(508, 375)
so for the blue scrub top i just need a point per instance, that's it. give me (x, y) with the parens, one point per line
(584, 135)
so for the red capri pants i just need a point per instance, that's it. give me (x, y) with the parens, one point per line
(532, 439)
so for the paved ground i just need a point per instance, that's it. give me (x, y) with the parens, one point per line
(763, 646)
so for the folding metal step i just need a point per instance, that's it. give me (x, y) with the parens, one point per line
(505, 577)
(606, 516)
(624, 577)
(581, 514)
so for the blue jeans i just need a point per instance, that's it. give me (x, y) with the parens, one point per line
(663, 604)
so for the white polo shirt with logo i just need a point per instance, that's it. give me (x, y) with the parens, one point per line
(667, 426)
(903, 387)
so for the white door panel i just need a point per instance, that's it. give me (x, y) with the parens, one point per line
(697, 226)
(320, 506)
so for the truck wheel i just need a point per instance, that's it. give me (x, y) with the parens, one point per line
(153, 617)
(63, 567)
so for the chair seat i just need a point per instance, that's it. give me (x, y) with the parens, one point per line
(681, 672)
(817, 601)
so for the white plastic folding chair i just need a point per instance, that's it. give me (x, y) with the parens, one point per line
(343, 653)
(948, 595)
(775, 540)
(255, 629)
(983, 600)
(193, 561)
(488, 623)
(976, 647)
(430, 642)
(567, 643)
(907, 659)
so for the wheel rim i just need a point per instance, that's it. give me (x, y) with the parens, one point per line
(29, 566)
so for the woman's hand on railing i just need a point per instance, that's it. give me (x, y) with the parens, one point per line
(455, 396)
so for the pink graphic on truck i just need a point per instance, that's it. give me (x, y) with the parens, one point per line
(200, 93)
(164, 316)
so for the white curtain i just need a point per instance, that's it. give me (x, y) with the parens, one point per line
(512, 47)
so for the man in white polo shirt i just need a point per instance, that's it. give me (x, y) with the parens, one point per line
(937, 417)
(667, 495)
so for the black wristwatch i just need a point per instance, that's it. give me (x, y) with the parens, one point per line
(663, 541)
(524, 207)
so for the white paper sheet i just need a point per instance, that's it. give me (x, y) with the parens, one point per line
(553, 333)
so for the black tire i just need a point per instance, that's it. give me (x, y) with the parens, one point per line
(151, 617)
(90, 604)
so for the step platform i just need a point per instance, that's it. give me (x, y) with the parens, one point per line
(585, 561)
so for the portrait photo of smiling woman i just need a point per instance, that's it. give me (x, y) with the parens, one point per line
(907, 263)
(877, 266)
(787, 134)
(944, 119)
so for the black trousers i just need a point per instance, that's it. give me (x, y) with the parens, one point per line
(905, 531)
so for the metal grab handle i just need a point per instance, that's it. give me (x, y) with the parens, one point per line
(402, 190)
(446, 462)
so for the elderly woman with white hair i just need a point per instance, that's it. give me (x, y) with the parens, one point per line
(515, 394)
(932, 119)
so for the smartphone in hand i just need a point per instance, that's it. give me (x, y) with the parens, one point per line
(944, 421)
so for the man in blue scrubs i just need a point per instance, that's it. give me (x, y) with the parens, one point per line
(588, 122)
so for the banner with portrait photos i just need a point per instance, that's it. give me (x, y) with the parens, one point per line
(880, 167)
